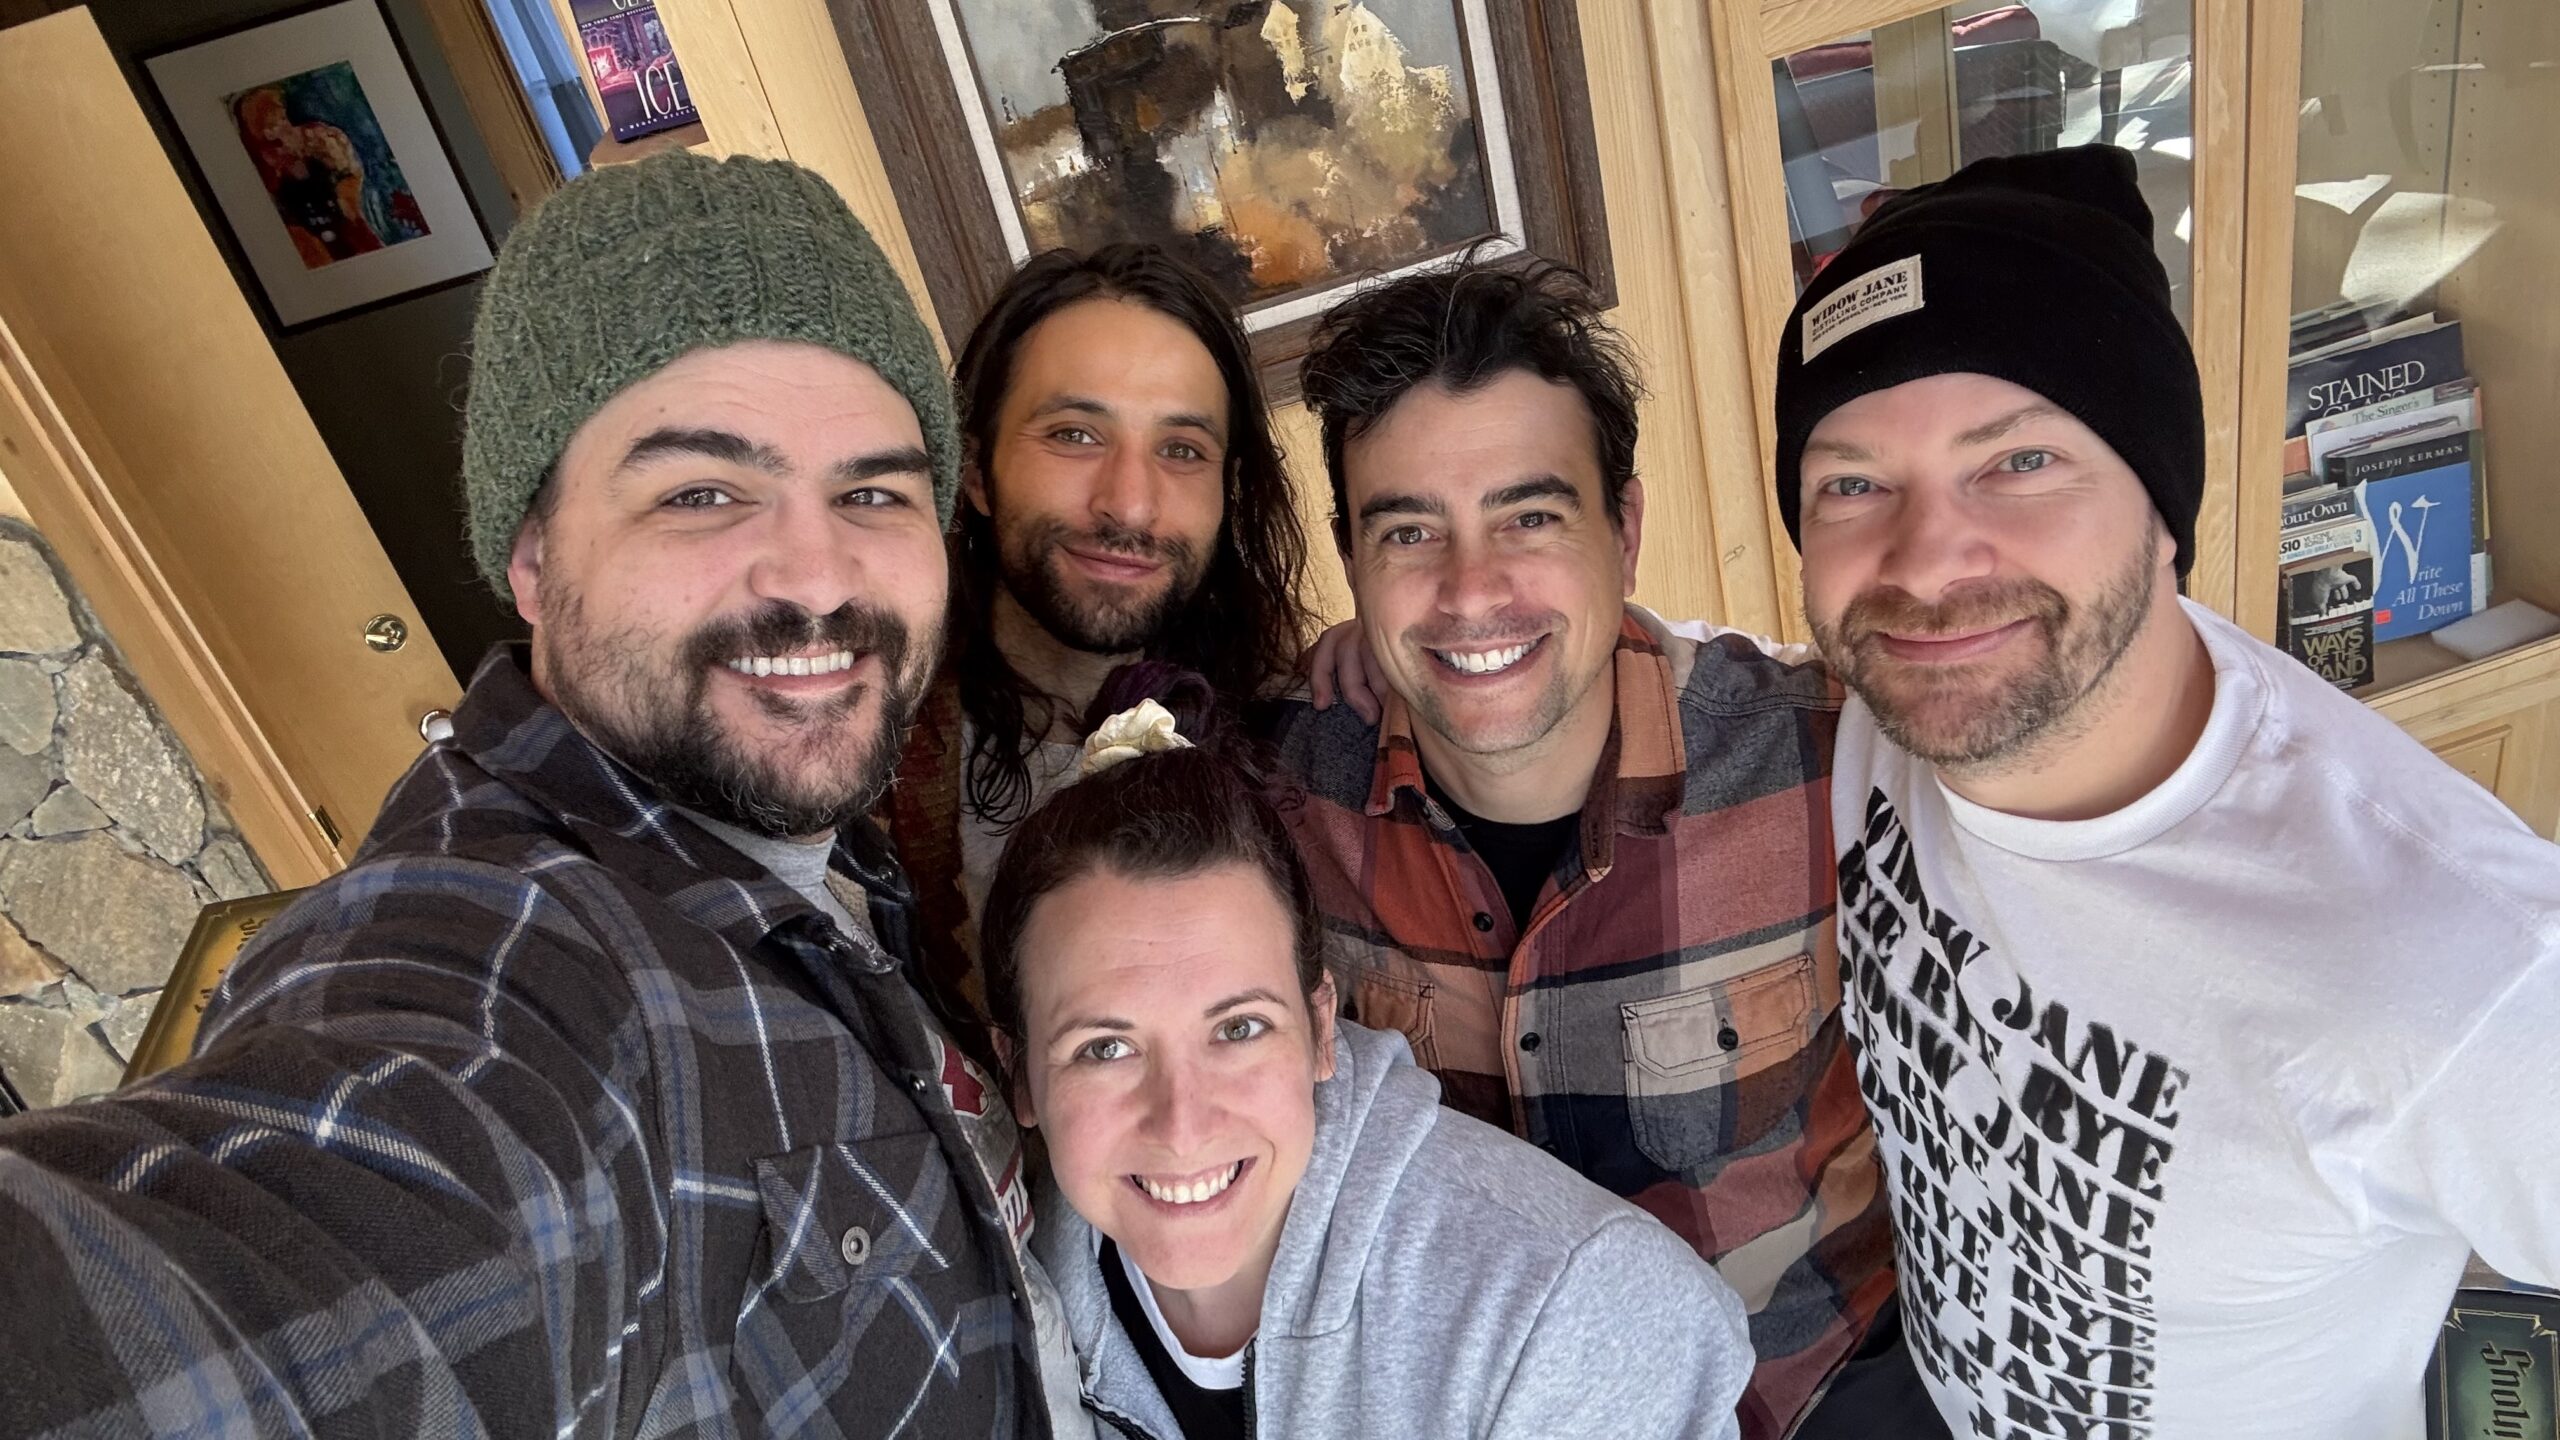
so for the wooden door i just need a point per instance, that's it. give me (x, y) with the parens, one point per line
(149, 429)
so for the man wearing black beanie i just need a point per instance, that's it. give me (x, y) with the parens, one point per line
(2204, 1015)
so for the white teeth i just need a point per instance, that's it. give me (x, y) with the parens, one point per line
(1191, 1192)
(827, 664)
(1484, 662)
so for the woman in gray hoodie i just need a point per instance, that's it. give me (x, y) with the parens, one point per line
(1261, 1221)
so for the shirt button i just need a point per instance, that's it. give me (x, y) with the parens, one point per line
(856, 1246)
(916, 1083)
(1529, 1041)
(1484, 921)
(1727, 1038)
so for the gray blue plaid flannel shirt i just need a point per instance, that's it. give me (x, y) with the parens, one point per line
(550, 1116)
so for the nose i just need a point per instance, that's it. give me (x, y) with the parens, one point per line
(1936, 543)
(805, 556)
(1181, 1109)
(1473, 579)
(1126, 491)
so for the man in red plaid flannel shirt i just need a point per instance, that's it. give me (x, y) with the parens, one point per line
(1585, 865)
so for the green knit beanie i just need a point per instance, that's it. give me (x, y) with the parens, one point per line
(630, 267)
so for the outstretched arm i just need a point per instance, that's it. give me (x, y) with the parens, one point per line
(404, 1190)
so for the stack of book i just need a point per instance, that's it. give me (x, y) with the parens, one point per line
(2386, 525)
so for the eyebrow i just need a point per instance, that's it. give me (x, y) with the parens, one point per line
(1242, 998)
(1839, 450)
(1536, 487)
(904, 460)
(1087, 405)
(1114, 1022)
(1400, 502)
(721, 445)
(1989, 431)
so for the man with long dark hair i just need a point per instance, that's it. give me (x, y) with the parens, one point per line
(1122, 499)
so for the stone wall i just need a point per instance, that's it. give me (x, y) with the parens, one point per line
(109, 843)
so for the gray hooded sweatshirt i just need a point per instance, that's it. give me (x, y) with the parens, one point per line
(1437, 1277)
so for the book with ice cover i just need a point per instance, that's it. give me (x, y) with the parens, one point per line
(2417, 496)
(636, 74)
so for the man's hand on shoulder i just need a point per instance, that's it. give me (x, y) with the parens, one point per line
(1339, 666)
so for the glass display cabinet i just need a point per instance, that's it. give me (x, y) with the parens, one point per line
(2358, 204)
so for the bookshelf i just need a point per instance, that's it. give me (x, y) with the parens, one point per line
(2400, 159)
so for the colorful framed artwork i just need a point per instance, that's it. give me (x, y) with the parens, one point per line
(1291, 149)
(309, 135)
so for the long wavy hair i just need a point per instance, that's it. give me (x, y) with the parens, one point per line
(1242, 632)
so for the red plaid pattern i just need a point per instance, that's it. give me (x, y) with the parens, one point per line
(1669, 1022)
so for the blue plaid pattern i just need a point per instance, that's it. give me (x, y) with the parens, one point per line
(551, 1116)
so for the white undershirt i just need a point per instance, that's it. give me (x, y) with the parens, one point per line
(1221, 1373)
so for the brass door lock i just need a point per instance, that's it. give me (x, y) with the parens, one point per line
(386, 633)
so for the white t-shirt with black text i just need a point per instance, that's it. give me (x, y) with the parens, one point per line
(2190, 1113)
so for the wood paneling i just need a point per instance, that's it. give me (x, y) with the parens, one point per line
(1787, 26)
(198, 460)
(2273, 104)
(2217, 230)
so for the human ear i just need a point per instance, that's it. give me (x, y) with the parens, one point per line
(1631, 528)
(1017, 1087)
(524, 570)
(1320, 1015)
(973, 483)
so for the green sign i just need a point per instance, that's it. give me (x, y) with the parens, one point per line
(2497, 1370)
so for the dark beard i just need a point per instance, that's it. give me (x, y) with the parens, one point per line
(1952, 719)
(1028, 560)
(662, 725)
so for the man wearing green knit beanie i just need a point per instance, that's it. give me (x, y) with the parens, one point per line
(593, 1098)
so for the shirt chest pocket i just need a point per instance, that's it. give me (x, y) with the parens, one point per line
(1718, 1070)
(852, 1217)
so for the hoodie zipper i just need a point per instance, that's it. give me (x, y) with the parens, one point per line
(1248, 1389)
(1123, 1423)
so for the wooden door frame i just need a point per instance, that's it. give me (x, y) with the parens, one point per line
(70, 497)
(1751, 35)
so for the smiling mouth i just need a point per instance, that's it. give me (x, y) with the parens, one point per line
(1191, 1191)
(1115, 565)
(826, 663)
(1951, 648)
(1487, 662)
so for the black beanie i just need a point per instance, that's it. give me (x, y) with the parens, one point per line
(2034, 269)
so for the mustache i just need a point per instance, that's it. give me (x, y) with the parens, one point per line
(1977, 606)
(780, 626)
(1114, 538)
(1503, 629)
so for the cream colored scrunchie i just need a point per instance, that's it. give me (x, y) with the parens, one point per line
(1145, 728)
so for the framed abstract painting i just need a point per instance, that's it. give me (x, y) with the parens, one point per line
(309, 135)
(1290, 149)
